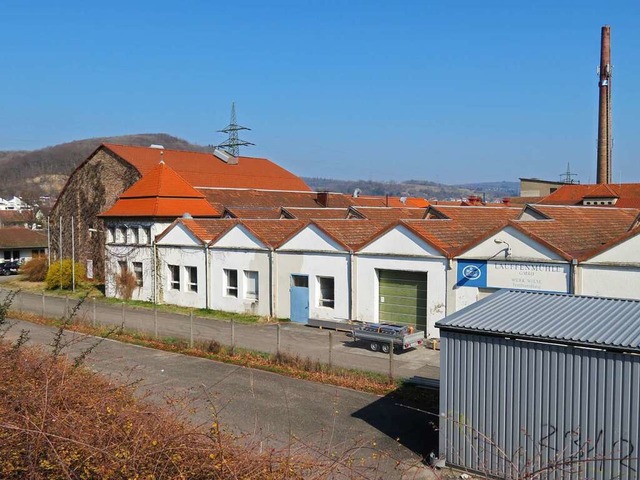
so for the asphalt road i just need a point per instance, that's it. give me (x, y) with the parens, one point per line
(420, 363)
(280, 411)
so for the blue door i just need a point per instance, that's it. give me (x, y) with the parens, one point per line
(299, 295)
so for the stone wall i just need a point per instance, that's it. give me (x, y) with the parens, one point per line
(93, 188)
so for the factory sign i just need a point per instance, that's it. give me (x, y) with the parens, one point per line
(544, 277)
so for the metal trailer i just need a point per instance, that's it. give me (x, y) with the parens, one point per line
(380, 336)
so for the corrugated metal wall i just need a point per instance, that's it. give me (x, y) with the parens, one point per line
(510, 408)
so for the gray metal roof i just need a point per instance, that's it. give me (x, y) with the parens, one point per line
(590, 321)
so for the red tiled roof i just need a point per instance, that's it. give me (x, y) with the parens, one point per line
(16, 237)
(206, 170)
(390, 213)
(16, 216)
(574, 194)
(240, 198)
(302, 213)
(461, 225)
(274, 232)
(352, 233)
(208, 230)
(161, 193)
(577, 231)
(256, 212)
(386, 201)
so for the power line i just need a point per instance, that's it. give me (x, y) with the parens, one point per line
(233, 143)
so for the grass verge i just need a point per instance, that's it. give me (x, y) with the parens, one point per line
(293, 366)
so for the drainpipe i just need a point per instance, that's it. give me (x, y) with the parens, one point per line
(272, 287)
(350, 288)
(206, 277)
(574, 277)
(154, 259)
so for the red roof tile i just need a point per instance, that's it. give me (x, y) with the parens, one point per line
(274, 232)
(256, 212)
(207, 170)
(161, 193)
(352, 233)
(390, 213)
(576, 231)
(574, 194)
(302, 213)
(208, 230)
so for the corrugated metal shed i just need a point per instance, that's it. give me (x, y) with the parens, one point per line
(569, 319)
(525, 393)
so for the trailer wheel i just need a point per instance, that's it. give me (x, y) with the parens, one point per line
(385, 348)
(373, 346)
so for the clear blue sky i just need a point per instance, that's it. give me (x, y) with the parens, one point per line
(438, 90)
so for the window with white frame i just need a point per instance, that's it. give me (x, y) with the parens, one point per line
(192, 278)
(327, 292)
(251, 284)
(231, 283)
(137, 271)
(111, 235)
(174, 277)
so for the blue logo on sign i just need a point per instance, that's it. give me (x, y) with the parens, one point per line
(471, 272)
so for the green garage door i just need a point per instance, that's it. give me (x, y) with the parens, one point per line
(403, 297)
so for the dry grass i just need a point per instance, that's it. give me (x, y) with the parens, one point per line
(58, 420)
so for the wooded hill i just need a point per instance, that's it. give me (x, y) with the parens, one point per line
(43, 172)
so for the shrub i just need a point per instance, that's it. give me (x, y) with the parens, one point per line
(35, 270)
(125, 284)
(59, 276)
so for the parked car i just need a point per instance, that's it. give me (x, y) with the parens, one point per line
(9, 268)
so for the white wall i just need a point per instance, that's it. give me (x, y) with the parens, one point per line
(182, 256)
(241, 261)
(129, 254)
(313, 264)
(400, 249)
(367, 308)
(610, 281)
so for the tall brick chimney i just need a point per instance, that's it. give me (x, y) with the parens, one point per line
(604, 108)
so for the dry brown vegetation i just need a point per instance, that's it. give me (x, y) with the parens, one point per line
(58, 420)
(35, 270)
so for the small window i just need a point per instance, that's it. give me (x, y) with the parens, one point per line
(121, 235)
(147, 235)
(174, 278)
(135, 236)
(251, 285)
(326, 292)
(112, 235)
(137, 271)
(231, 279)
(192, 276)
(300, 281)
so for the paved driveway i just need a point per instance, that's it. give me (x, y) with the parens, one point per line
(295, 339)
(280, 411)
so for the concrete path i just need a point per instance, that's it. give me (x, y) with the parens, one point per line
(375, 431)
(295, 339)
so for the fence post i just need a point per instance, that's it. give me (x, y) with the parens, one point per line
(233, 333)
(123, 315)
(191, 329)
(155, 320)
(330, 349)
(391, 361)
(93, 313)
(278, 339)
(43, 305)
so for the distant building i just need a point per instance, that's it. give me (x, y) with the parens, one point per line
(21, 244)
(15, 203)
(534, 187)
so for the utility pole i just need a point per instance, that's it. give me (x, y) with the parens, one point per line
(605, 71)
(233, 143)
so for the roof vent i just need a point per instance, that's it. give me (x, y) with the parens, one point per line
(154, 145)
(356, 193)
(403, 200)
(226, 157)
(187, 216)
